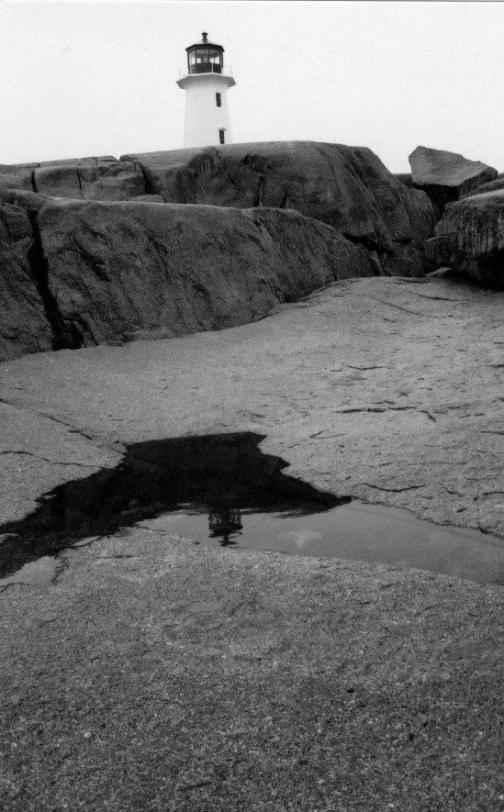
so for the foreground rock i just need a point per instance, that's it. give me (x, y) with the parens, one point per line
(470, 238)
(92, 273)
(446, 176)
(225, 679)
(89, 275)
(133, 270)
(346, 187)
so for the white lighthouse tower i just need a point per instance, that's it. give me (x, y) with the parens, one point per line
(207, 119)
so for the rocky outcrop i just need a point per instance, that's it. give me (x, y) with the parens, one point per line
(102, 178)
(470, 238)
(446, 176)
(17, 176)
(253, 680)
(119, 271)
(24, 325)
(346, 187)
(199, 241)
(491, 186)
(405, 178)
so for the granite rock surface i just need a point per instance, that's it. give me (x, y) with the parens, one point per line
(103, 180)
(119, 271)
(446, 176)
(154, 671)
(24, 324)
(346, 187)
(111, 272)
(492, 186)
(470, 238)
(95, 178)
(343, 215)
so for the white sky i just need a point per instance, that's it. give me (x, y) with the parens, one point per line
(98, 78)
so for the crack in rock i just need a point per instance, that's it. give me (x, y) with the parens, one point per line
(377, 366)
(398, 307)
(68, 426)
(46, 459)
(392, 490)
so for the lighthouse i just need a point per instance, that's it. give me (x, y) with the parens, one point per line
(207, 119)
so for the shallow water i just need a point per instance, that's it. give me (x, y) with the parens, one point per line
(358, 531)
(221, 489)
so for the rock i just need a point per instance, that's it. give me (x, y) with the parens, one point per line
(346, 187)
(91, 161)
(254, 680)
(148, 199)
(24, 326)
(90, 179)
(446, 176)
(405, 178)
(28, 200)
(470, 238)
(102, 178)
(17, 176)
(491, 186)
(119, 271)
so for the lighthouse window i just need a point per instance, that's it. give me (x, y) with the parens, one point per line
(205, 60)
(221, 136)
(218, 100)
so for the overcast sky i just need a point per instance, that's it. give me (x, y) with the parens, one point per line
(98, 78)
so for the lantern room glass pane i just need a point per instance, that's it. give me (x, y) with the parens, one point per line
(205, 60)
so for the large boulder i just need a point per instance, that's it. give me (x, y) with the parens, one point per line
(446, 176)
(100, 178)
(119, 271)
(405, 178)
(22, 176)
(17, 176)
(346, 187)
(470, 238)
(24, 325)
(90, 179)
(491, 186)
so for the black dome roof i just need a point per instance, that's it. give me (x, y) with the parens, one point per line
(204, 42)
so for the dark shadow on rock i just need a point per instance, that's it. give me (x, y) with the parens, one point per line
(219, 474)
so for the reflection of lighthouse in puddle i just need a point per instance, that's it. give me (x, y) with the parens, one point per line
(224, 523)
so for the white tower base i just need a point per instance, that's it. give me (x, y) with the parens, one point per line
(206, 123)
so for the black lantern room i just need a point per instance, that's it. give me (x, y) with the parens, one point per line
(205, 57)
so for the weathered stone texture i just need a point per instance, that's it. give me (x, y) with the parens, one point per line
(112, 273)
(470, 238)
(123, 270)
(405, 178)
(24, 327)
(103, 180)
(446, 176)
(17, 176)
(346, 187)
(491, 186)
(219, 678)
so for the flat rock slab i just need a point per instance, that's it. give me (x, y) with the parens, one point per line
(156, 673)
(445, 176)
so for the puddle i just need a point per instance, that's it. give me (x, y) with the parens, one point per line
(361, 532)
(221, 489)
